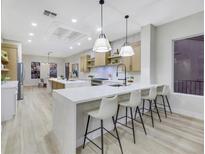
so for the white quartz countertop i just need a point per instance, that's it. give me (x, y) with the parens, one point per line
(67, 81)
(85, 94)
(10, 84)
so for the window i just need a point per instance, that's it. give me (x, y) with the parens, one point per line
(189, 65)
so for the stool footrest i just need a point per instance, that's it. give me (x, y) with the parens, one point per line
(110, 133)
(129, 118)
(93, 143)
(124, 125)
(93, 130)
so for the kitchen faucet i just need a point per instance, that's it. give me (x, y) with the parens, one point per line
(125, 72)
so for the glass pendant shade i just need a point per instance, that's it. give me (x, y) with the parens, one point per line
(102, 45)
(126, 51)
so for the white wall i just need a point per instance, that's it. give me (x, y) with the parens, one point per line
(27, 59)
(106, 70)
(165, 34)
(147, 53)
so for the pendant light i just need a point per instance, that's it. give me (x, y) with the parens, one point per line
(102, 44)
(126, 49)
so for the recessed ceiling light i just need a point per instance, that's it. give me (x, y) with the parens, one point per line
(31, 34)
(29, 41)
(89, 38)
(78, 43)
(99, 29)
(71, 47)
(74, 20)
(34, 24)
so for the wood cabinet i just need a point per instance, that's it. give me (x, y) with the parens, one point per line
(12, 51)
(84, 63)
(57, 85)
(101, 59)
(133, 63)
(136, 58)
(127, 61)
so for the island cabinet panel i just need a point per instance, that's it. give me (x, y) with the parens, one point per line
(136, 58)
(57, 85)
(101, 59)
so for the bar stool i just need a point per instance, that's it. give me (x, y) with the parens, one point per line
(163, 93)
(134, 102)
(151, 97)
(108, 109)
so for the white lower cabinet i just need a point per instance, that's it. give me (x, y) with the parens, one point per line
(8, 103)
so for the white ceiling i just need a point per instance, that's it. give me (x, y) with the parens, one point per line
(17, 16)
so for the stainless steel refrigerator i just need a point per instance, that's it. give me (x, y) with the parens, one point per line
(20, 77)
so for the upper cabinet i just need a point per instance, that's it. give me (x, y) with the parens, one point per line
(86, 63)
(10, 68)
(83, 63)
(133, 63)
(136, 58)
(101, 59)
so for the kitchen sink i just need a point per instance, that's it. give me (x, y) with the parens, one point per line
(116, 85)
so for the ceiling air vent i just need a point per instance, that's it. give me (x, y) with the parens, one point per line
(67, 34)
(49, 13)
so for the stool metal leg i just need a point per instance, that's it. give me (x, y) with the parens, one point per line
(126, 115)
(136, 112)
(155, 104)
(141, 120)
(133, 130)
(164, 106)
(86, 131)
(168, 104)
(143, 107)
(150, 108)
(102, 143)
(115, 128)
(118, 108)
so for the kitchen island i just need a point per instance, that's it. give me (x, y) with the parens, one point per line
(54, 83)
(70, 109)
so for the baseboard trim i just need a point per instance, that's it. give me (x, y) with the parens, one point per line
(188, 113)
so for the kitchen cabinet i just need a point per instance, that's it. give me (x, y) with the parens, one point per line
(12, 51)
(133, 63)
(127, 61)
(57, 85)
(101, 59)
(84, 63)
(8, 100)
(136, 58)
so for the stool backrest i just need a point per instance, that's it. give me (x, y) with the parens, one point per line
(135, 98)
(153, 92)
(108, 107)
(165, 90)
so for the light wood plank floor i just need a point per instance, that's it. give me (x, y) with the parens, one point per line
(30, 132)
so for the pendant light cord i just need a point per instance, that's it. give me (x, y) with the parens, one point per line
(101, 2)
(101, 18)
(126, 18)
(126, 31)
